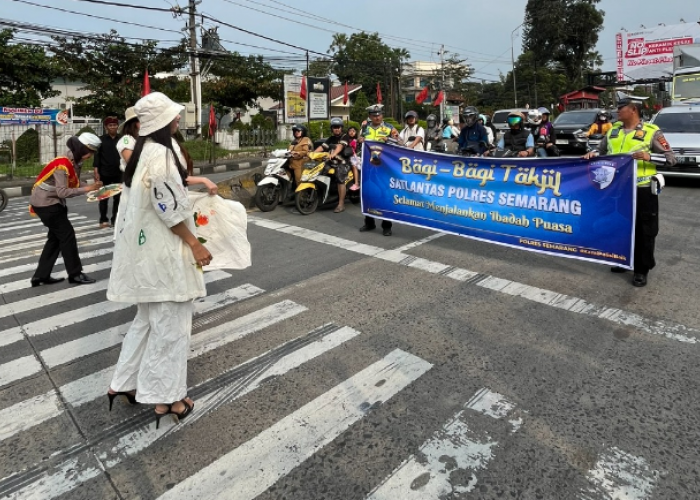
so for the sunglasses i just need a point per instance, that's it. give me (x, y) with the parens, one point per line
(514, 120)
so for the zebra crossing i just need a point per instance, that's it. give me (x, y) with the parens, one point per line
(249, 469)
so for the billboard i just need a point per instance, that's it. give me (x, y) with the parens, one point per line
(648, 53)
(294, 106)
(32, 116)
(319, 98)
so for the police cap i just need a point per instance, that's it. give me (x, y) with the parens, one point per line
(375, 109)
(626, 99)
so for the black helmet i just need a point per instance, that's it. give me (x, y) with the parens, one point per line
(411, 114)
(337, 122)
(431, 120)
(301, 128)
(603, 115)
(470, 114)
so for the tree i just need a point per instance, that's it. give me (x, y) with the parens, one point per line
(358, 111)
(237, 81)
(26, 73)
(457, 73)
(563, 32)
(112, 69)
(319, 67)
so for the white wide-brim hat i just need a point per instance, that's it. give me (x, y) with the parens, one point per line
(155, 111)
(129, 115)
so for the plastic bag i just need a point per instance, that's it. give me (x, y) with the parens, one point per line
(222, 227)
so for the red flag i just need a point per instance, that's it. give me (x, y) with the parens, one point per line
(439, 98)
(302, 92)
(422, 96)
(345, 94)
(379, 94)
(146, 84)
(212, 120)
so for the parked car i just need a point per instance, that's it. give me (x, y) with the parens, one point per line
(572, 128)
(681, 127)
(500, 116)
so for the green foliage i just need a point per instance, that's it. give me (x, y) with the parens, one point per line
(322, 128)
(87, 128)
(393, 122)
(112, 70)
(358, 111)
(27, 147)
(200, 150)
(261, 121)
(26, 73)
(319, 67)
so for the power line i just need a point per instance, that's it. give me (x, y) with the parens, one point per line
(175, 11)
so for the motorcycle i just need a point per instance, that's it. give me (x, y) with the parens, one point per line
(277, 184)
(3, 200)
(318, 184)
(594, 141)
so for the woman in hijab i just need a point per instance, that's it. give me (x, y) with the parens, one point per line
(157, 265)
(60, 179)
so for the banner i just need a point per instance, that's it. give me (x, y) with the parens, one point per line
(648, 53)
(32, 116)
(582, 209)
(294, 106)
(319, 98)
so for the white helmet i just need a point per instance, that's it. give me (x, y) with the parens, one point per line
(534, 117)
(90, 140)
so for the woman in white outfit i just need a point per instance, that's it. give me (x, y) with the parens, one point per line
(129, 131)
(157, 265)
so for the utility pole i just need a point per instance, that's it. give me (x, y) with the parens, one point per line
(512, 60)
(442, 82)
(195, 76)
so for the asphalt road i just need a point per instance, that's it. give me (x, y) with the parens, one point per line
(347, 365)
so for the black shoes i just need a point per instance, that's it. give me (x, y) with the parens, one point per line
(81, 279)
(386, 231)
(45, 281)
(178, 416)
(639, 280)
(367, 228)
(618, 270)
(128, 395)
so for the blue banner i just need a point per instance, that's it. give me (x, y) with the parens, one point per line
(32, 116)
(582, 209)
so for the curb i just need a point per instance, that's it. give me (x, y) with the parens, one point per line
(24, 188)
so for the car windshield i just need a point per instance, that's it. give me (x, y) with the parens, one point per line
(576, 118)
(500, 117)
(683, 123)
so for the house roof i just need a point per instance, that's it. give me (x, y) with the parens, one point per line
(590, 92)
(338, 91)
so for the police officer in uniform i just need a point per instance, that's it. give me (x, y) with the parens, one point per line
(376, 130)
(647, 144)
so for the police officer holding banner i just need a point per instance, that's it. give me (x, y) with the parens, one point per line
(647, 144)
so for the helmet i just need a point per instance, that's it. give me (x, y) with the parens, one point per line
(431, 120)
(300, 128)
(411, 114)
(337, 122)
(90, 140)
(470, 115)
(483, 118)
(544, 111)
(514, 118)
(534, 117)
(603, 115)
(445, 121)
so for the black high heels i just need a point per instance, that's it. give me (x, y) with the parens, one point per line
(178, 415)
(128, 395)
(45, 281)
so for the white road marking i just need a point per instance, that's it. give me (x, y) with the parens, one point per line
(417, 243)
(428, 475)
(238, 475)
(79, 227)
(26, 414)
(39, 242)
(670, 330)
(114, 452)
(36, 252)
(620, 476)
(18, 369)
(11, 226)
(24, 268)
(14, 286)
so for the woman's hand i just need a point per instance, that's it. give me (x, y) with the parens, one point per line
(212, 188)
(641, 155)
(93, 186)
(202, 256)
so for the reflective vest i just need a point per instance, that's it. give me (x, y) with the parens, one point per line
(638, 139)
(377, 134)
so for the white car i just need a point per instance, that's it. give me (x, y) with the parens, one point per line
(681, 127)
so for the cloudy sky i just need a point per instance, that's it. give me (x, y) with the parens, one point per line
(479, 31)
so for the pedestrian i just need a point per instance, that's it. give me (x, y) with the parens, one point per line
(377, 130)
(60, 179)
(157, 265)
(129, 132)
(647, 144)
(106, 167)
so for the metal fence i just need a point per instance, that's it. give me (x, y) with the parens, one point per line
(257, 138)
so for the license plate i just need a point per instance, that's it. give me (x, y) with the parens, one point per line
(562, 141)
(686, 160)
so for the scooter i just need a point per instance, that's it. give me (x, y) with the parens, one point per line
(318, 185)
(277, 185)
(594, 142)
(3, 200)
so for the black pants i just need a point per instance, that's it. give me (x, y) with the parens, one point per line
(645, 230)
(369, 222)
(61, 239)
(104, 204)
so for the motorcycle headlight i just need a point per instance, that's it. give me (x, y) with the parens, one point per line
(304, 177)
(580, 134)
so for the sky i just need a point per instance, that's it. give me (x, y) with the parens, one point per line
(483, 35)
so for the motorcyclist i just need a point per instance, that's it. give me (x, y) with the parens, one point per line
(412, 135)
(517, 138)
(473, 136)
(338, 147)
(489, 133)
(433, 133)
(602, 124)
(299, 148)
(546, 135)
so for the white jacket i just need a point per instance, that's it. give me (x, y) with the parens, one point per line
(151, 264)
